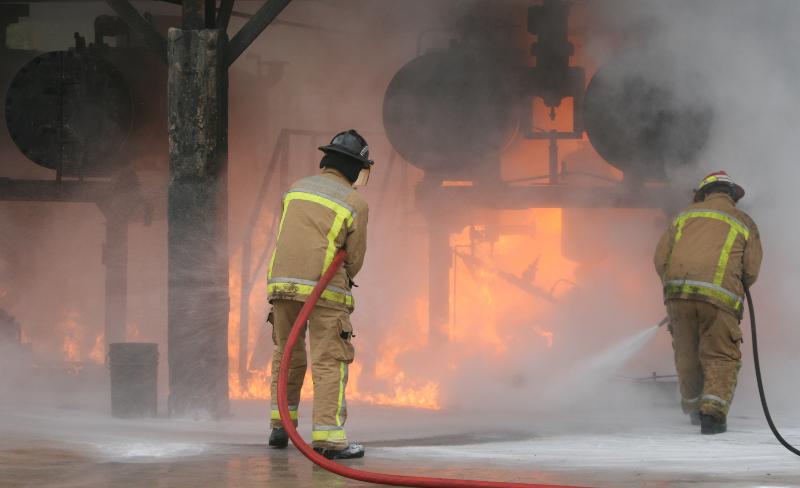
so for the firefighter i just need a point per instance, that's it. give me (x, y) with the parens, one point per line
(709, 252)
(320, 215)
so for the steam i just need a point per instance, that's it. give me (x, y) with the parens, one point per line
(335, 79)
(743, 50)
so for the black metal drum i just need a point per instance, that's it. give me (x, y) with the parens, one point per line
(644, 111)
(70, 112)
(448, 110)
(134, 379)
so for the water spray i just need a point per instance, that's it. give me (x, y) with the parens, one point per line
(336, 468)
(428, 482)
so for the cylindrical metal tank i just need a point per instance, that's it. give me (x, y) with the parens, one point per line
(645, 111)
(450, 110)
(134, 379)
(70, 112)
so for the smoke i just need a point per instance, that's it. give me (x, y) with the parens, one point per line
(505, 346)
(744, 52)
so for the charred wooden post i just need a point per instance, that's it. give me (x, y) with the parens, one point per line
(198, 259)
(198, 58)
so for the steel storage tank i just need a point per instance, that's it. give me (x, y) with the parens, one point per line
(644, 111)
(451, 110)
(70, 112)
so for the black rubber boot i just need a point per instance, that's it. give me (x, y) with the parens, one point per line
(352, 451)
(279, 438)
(694, 417)
(712, 424)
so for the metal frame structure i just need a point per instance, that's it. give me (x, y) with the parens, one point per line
(199, 55)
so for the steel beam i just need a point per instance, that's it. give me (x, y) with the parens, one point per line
(255, 26)
(137, 23)
(224, 14)
(53, 191)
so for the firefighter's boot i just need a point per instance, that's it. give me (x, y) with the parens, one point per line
(279, 438)
(352, 451)
(694, 417)
(712, 424)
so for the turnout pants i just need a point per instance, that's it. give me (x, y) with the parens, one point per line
(331, 353)
(707, 343)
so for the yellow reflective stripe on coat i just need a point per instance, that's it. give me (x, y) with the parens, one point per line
(689, 287)
(343, 215)
(277, 238)
(680, 221)
(725, 256)
(715, 289)
(328, 434)
(302, 289)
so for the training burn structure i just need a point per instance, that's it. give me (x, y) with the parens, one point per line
(453, 111)
(499, 137)
(199, 56)
(97, 114)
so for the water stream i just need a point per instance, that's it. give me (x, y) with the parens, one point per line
(597, 370)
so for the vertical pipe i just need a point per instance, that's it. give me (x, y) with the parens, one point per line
(553, 157)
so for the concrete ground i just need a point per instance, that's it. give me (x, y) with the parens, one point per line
(79, 446)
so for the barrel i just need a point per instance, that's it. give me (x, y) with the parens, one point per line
(451, 110)
(134, 379)
(647, 110)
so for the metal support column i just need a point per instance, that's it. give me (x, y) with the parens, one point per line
(115, 259)
(440, 258)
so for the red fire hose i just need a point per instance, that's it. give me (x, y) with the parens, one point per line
(336, 468)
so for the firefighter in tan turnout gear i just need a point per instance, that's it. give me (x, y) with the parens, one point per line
(320, 215)
(710, 251)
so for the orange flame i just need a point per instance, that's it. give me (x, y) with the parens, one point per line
(71, 330)
(98, 353)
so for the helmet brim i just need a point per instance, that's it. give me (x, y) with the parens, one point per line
(366, 163)
(738, 192)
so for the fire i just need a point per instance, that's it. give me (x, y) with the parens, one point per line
(405, 393)
(503, 282)
(98, 353)
(504, 287)
(75, 337)
(71, 330)
(402, 391)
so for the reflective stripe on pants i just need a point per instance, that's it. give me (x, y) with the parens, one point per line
(330, 356)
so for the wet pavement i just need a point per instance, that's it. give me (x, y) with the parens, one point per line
(46, 447)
